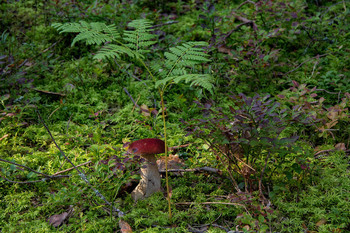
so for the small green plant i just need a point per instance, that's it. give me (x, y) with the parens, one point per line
(328, 120)
(247, 137)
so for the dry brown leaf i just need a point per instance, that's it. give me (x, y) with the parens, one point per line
(340, 146)
(144, 110)
(58, 219)
(224, 49)
(321, 222)
(174, 162)
(3, 137)
(124, 227)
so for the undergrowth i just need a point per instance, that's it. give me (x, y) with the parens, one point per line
(211, 64)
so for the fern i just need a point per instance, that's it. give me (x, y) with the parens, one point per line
(140, 39)
(203, 80)
(114, 51)
(177, 62)
(92, 33)
(136, 42)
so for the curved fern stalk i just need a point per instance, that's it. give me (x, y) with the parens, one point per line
(174, 70)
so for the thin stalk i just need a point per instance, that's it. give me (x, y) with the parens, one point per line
(161, 93)
(166, 153)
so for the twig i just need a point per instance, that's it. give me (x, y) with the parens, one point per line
(246, 2)
(245, 20)
(28, 168)
(261, 177)
(323, 151)
(334, 93)
(51, 46)
(132, 99)
(132, 75)
(49, 92)
(313, 69)
(210, 203)
(69, 169)
(81, 174)
(205, 169)
(32, 170)
(318, 56)
(218, 151)
(29, 182)
(221, 227)
(70, 118)
(328, 9)
(53, 112)
(176, 147)
(22, 64)
(163, 24)
(222, 39)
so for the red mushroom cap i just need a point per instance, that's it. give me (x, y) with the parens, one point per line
(147, 146)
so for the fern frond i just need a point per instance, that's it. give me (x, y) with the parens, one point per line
(91, 33)
(187, 54)
(140, 39)
(178, 60)
(114, 51)
(203, 80)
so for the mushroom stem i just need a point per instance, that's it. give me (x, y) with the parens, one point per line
(150, 179)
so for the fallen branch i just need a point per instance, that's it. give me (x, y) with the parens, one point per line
(132, 99)
(72, 168)
(49, 92)
(163, 24)
(245, 20)
(210, 203)
(318, 56)
(33, 181)
(225, 36)
(246, 2)
(205, 169)
(32, 170)
(176, 147)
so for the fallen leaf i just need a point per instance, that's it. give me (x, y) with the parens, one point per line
(144, 110)
(340, 146)
(224, 49)
(321, 222)
(3, 137)
(124, 227)
(174, 162)
(58, 219)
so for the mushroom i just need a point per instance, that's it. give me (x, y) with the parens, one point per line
(150, 178)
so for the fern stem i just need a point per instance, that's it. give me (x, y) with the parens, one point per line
(161, 93)
(166, 152)
(149, 71)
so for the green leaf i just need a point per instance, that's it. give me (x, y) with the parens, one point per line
(92, 33)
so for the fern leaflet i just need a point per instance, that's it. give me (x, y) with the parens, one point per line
(92, 33)
(177, 62)
(140, 38)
